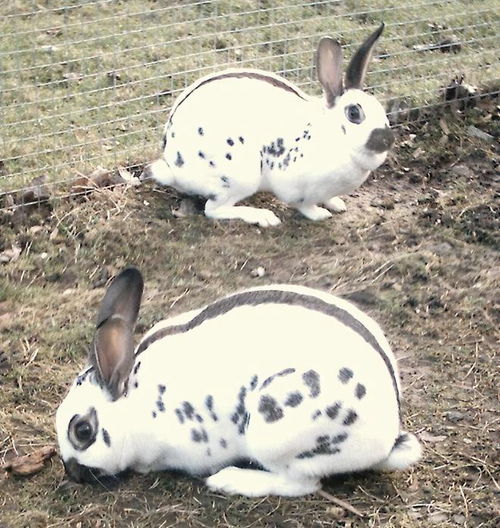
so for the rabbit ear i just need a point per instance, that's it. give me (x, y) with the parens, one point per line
(113, 349)
(356, 71)
(329, 68)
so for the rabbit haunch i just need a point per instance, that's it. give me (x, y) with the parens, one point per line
(238, 379)
(237, 132)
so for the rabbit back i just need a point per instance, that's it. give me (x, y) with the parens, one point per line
(277, 380)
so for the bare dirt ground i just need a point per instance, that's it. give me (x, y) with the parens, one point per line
(417, 249)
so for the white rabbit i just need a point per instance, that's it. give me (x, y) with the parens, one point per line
(236, 132)
(299, 382)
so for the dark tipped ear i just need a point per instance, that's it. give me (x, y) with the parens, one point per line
(112, 352)
(356, 71)
(329, 68)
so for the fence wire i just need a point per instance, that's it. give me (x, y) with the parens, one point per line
(90, 83)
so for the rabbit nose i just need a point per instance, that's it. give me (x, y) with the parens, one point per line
(380, 140)
(78, 473)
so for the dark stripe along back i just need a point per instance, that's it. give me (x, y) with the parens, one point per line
(254, 298)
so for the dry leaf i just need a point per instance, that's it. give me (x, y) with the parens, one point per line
(10, 255)
(99, 178)
(29, 464)
(128, 177)
(428, 437)
(37, 191)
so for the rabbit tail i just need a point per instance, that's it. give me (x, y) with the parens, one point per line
(160, 172)
(406, 451)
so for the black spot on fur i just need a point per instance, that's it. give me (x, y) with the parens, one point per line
(179, 161)
(333, 410)
(160, 405)
(179, 415)
(201, 154)
(188, 410)
(297, 139)
(225, 182)
(345, 374)
(162, 389)
(106, 437)
(351, 417)
(212, 164)
(229, 157)
(209, 453)
(337, 439)
(136, 385)
(270, 409)
(323, 447)
(278, 374)
(311, 379)
(223, 443)
(253, 382)
(200, 131)
(154, 414)
(293, 399)
(360, 391)
(241, 140)
(196, 435)
(276, 148)
(316, 414)
(137, 367)
(209, 402)
(199, 419)
(230, 142)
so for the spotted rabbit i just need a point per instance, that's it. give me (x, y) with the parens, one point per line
(298, 382)
(236, 132)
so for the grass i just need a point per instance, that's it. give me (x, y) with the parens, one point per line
(407, 251)
(91, 84)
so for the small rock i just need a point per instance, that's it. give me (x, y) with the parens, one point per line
(257, 273)
(10, 255)
(438, 517)
(480, 134)
(459, 518)
(443, 248)
(455, 416)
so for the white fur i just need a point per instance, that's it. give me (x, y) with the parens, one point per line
(332, 160)
(218, 358)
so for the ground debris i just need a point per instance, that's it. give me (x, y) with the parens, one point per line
(26, 465)
(38, 191)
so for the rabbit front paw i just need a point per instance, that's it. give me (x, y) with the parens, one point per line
(313, 212)
(336, 204)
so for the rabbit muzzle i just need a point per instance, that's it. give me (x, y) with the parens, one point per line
(380, 140)
(80, 474)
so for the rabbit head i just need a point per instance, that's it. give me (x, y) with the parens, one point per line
(359, 115)
(89, 421)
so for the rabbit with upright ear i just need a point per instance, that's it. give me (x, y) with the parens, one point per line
(299, 382)
(236, 132)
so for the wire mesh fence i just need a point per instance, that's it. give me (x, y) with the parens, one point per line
(90, 83)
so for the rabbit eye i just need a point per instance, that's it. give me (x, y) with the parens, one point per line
(354, 113)
(82, 430)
